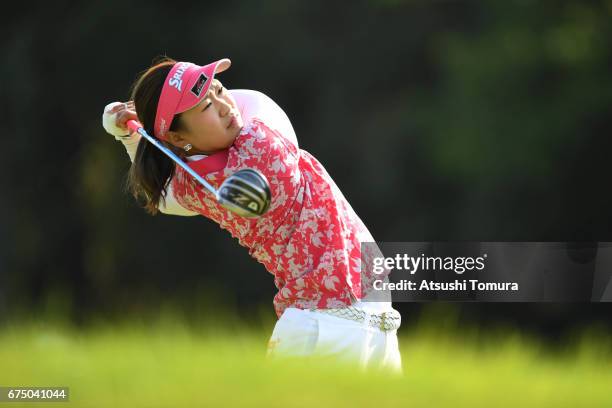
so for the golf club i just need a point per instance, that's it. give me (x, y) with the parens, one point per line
(246, 192)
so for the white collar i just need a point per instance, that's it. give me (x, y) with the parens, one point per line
(195, 157)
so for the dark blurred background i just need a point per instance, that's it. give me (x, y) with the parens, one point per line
(439, 120)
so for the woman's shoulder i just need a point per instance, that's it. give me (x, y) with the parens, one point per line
(254, 103)
(257, 127)
(249, 97)
(251, 102)
(257, 105)
(257, 135)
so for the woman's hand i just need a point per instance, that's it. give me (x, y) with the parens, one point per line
(115, 117)
(124, 112)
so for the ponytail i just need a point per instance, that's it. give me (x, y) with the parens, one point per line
(151, 170)
(149, 175)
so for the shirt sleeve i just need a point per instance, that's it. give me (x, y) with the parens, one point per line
(131, 144)
(254, 104)
(168, 206)
(262, 148)
(171, 205)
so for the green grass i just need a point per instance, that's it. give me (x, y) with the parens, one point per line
(167, 364)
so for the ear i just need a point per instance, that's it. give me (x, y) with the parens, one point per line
(176, 139)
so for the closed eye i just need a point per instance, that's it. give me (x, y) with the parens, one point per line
(219, 92)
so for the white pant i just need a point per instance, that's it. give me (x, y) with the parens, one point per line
(311, 333)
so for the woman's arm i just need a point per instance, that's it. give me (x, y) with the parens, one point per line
(171, 206)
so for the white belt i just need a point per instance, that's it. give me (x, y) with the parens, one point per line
(385, 321)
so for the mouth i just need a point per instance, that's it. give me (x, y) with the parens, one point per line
(232, 123)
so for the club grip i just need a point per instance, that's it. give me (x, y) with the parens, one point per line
(133, 125)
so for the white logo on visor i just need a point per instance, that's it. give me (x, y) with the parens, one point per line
(176, 80)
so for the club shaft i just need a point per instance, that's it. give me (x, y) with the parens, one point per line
(138, 128)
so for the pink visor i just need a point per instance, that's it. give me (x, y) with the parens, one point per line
(185, 86)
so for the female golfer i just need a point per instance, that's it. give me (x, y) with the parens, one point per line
(310, 239)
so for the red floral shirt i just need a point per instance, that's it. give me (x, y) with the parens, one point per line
(310, 237)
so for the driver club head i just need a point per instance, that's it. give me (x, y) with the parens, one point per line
(246, 193)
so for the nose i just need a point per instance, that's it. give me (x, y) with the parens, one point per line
(223, 106)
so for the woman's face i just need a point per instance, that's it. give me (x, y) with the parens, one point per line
(210, 126)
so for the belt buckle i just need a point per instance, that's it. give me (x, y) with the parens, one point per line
(382, 321)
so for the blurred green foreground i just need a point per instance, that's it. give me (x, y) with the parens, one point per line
(170, 364)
